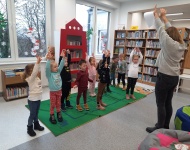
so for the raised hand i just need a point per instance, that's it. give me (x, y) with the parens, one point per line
(39, 59)
(68, 51)
(162, 12)
(155, 12)
(92, 54)
(63, 53)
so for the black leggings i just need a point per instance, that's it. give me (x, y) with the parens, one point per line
(131, 82)
(66, 90)
(121, 77)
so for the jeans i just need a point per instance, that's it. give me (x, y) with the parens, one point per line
(34, 107)
(165, 86)
(112, 77)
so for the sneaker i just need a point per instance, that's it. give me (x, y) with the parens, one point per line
(93, 95)
(117, 85)
(99, 107)
(59, 117)
(103, 104)
(68, 105)
(52, 119)
(133, 97)
(127, 97)
(63, 109)
(108, 90)
(86, 107)
(79, 108)
(124, 88)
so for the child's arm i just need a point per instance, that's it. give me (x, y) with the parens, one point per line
(48, 65)
(77, 80)
(131, 56)
(141, 56)
(90, 80)
(94, 59)
(62, 61)
(87, 61)
(68, 57)
(35, 69)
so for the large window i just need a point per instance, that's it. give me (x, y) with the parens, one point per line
(27, 26)
(5, 51)
(97, 31)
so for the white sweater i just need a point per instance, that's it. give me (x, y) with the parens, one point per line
(35, 85)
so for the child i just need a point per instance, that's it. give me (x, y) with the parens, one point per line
(66, 82)
(134, 61)
(82, 84)
(113, 67)
(55, 84)
(121, 68)
(91, 64)
(51, 50)
(103, 72)
(31, 75)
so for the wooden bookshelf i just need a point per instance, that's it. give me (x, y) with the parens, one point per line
(148, 43)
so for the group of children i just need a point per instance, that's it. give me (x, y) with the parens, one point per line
(59, 78)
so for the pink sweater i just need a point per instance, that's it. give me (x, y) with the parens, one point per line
(91, 69)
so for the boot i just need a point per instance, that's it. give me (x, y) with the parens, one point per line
(108, 89)
(68, 104)
(37, 126)
(52, 119)
(63, 107)
(30, 130)
(102, 104)
(59, 117)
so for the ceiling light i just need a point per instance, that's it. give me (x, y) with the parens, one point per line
(181, 20)
(174, 14)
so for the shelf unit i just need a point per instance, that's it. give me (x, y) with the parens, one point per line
(148, 42)
(74, 38)
(14, 87)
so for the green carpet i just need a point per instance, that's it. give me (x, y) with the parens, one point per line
(73, 118)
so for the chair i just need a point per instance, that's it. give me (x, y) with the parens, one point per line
(184, 76)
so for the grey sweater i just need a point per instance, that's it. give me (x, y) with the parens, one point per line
(168, 61)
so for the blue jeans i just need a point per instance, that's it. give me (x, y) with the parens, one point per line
(112, 77)
(34, 107)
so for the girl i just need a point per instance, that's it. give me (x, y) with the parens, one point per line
(168, 63)
(103, 72)
(91, 64)
(31, 75)
(55, 84)
(121, 68)
(134, 62)
(82, 84)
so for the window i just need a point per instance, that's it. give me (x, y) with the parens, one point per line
(97, 31)
(5, 51)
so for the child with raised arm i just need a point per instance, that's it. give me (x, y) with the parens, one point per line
(82, 84)
(66, 82)
(134, 62)
(91, 64)
(32, 77)
(121, 68)
(55, 84)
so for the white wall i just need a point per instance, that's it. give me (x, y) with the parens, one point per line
(136, 19)
(181, 24)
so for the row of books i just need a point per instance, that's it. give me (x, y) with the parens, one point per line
(129, 50)
(120, 42)
(10, 73)
(152, 35)
(153, 44)
(16, 92)
(136, 34)
(150, 62)
(119, 50)
(150, 70)
(120, 35)
(148, 78)
(152, 53)
(74, 66)
(75, 54)
(73, 43)
(132, 43)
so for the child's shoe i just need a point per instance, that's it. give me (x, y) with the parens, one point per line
(127, 97)
(63, 107)
(79, 108)
(102, 104)
(118, 85)
(59, 117)
(30, 130)
(108, 90)
(133, 97)
(86, 107)
(100, 107)
(37, 126)
(52, 119)
(93, 95)
(124, 88)
(68, 105)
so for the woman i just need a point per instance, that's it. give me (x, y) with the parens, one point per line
(168, 63)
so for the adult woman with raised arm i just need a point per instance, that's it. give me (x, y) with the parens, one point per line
(168, 63)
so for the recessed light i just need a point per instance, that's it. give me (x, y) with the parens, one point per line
(181, 20)
(174, 14)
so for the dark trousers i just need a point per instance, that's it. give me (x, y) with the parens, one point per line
(165, 86)
(101, 88)
(80, 92)
(121, 77)
(131, 82)
(34, 107)
(66, 91)
(112, 77)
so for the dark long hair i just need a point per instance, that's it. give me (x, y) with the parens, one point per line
(28, 71)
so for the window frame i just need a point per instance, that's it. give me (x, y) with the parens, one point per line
(13, 35)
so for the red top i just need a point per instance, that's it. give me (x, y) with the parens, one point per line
(82, 79)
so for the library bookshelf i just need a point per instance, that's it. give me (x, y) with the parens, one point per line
(14, 87)
(147, 40)
(74, 38)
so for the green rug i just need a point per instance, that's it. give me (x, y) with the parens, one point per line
(73, 118)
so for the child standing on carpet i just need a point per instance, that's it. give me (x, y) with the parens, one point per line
(121, 68)
(103, 72)
(134, 62)
(66, 82)
(82, 84)
(91, 64)
(32, 77)
(113, 66)
(55, 84)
